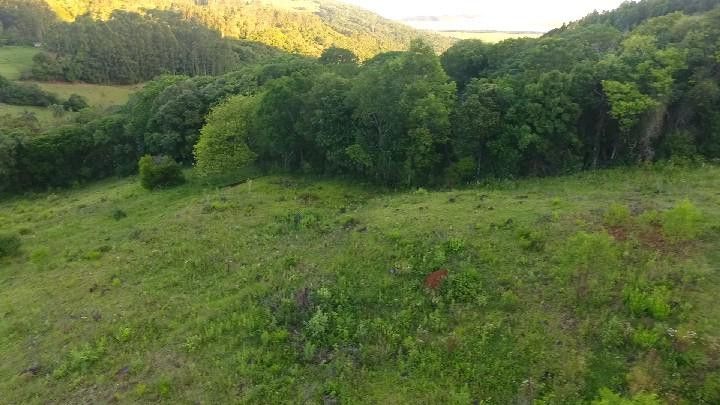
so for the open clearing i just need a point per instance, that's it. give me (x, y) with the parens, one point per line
(289, 287)
(14, 60)
(489, 37)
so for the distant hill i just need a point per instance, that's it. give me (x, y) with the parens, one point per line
(304, 26)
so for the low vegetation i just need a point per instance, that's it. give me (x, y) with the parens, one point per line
(159, 172)
(313, 290)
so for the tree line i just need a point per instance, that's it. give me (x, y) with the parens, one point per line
(587, 96)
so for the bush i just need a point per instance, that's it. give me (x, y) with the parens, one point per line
(617, 215)
(684, 222)
(607, 397)
(9, 245)
(75, 103)
(655, 303)
(159, 171)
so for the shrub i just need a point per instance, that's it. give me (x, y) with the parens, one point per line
(655, 303)
(589, 252)
(75, 103)
(159, 171)
(646, 338)
(532, 240)
(464, 287)
(9, 245)
(607, 397)
(591, 262)
(118, 214)
(684, 222)
(617, 215)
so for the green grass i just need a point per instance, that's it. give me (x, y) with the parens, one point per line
(96, 95)
(300, 290)
(14, 60)
(44, 115)
(489, 37)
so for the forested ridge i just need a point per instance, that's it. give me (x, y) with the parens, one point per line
(592, 94)
(130, 42)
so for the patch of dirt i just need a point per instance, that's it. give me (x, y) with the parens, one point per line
(434, 280)
(302, 299)
(618, 233)
(654, 238)
(32, 371)
(123, 373)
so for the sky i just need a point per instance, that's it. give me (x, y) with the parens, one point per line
(515, 15)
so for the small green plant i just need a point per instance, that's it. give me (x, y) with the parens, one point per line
(655, 303)
(589, 252)
(159, 171)
(464, 287)
(531, 240)
(607, 397)
(684, 222)
(9, 245)
(82, 358)
(454, 246)
(123, 334)
(646, 338)
(118, 214)
(617, 215)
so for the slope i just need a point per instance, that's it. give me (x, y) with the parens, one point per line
(307, 26)
(298, 289)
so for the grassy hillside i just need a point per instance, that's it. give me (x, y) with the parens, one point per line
(96, 95)
(17, 59)
(303, 26)
(14, 60)
(299, 290)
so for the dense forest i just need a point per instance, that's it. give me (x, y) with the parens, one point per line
(591, 94)
(585, 96)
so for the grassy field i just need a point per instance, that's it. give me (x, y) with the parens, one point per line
(14, 60)
(489, 37)
(44, 115)
(298, 290)
(96, 95)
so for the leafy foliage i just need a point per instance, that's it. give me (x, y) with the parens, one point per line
(9, 245)
(223, 146)
(159, 172)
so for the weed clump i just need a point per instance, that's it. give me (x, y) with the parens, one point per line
(617, 215)
(590, 261)
(160, 171)
(9, 245)
(118, 214)
(682, 223)
(655, 303)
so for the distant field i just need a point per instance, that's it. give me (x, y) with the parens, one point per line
(14, 60)
(96, 95)
(490, 37)
(44, 115)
